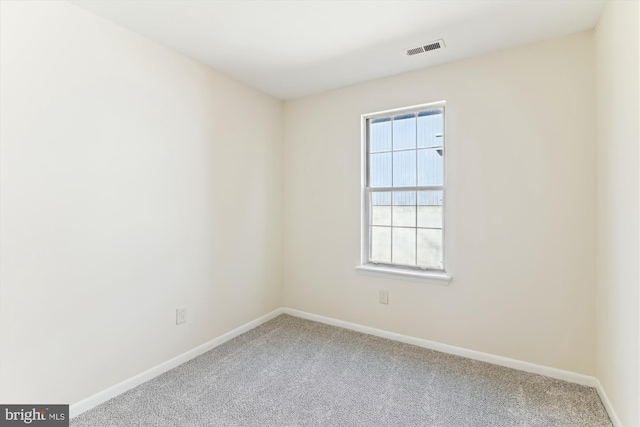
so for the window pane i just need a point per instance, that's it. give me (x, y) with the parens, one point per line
(404, 169)
(380, 170)
(380, 135)
(430, 209)
(430, 129)
(429, 167)
(404, 246)
(380, 215)
(381, 244)
(380, 208)
(404, 198)
(429, 248)
(381, 198)
(404, 208)
(404, 131)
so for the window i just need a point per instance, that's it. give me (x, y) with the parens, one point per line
(404, 189)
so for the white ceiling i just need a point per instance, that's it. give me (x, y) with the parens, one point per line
(294, 48)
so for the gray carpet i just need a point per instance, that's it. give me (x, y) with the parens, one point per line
(294, 372)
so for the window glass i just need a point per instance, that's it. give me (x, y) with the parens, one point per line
(430, 129)
(406, 226)
(404, 132)
(380, 170)
(380, 135)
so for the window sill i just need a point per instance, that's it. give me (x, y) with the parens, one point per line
(392, 272)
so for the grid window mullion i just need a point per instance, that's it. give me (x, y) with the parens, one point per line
(421, 225)
(416, 230)
(392, 183)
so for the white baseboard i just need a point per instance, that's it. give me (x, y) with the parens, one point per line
(607, 404)
(533, 368)
(520, 365)
(101, 397)
(586, 380)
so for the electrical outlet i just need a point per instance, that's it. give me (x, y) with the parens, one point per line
(181, 315)
(384, 297)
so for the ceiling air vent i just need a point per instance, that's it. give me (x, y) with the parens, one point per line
(438, 44)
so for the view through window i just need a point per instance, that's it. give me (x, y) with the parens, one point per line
(405, 188)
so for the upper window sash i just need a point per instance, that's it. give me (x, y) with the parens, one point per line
(405, 149)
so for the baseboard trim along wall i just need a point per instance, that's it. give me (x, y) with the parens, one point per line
(559, 374)
(586, 380)
(520, 365)
(126, 385)
(607, 404)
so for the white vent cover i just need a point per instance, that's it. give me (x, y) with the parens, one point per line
(434, 45)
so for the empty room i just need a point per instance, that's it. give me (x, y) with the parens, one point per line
(320, 213)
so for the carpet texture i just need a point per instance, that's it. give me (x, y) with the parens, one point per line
(294, 372)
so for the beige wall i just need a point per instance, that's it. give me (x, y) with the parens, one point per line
(134, 181)
(132, 184)
(520, 208)
(618, 194)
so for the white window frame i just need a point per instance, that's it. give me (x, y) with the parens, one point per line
(390, 269)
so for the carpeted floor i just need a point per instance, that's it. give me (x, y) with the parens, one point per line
(294, 372)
